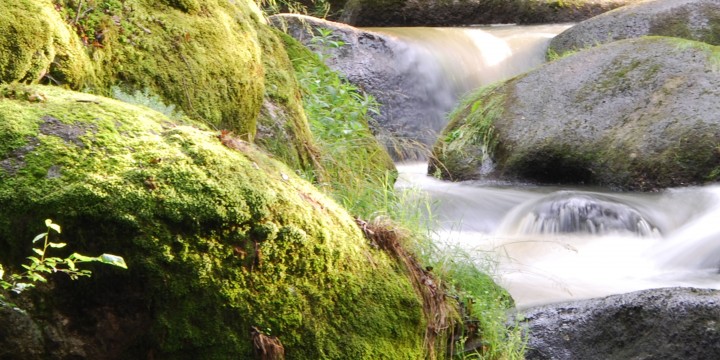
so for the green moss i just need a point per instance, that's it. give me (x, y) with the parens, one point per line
(469, 138)
(36, 45)
(204, 59)
(218, 237)
(283, 129)
(677, 24)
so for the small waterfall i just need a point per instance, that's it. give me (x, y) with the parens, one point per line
(440, 65)
(567, 212)
(551, 244)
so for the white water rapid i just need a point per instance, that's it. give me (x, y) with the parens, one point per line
(548, 244)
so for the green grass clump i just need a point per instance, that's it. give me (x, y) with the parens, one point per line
(469, 138)
(357, 171)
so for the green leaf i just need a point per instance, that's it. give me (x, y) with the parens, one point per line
(39, 251)
(57, 245)
(115, 260)
(37, 277)
(82, 258)
(40, 236)
(70, 264)
(55, 227)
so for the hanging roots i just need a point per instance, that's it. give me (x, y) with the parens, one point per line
(266, 347)
(385, 235)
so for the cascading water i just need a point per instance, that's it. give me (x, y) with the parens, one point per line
(440, 65)
(551, 244)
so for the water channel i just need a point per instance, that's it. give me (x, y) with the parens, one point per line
(548, 244)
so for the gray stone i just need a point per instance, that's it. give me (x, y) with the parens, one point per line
(689, 19)
(633, 114)
(671, 323)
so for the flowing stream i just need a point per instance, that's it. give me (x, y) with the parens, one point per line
(549, 244)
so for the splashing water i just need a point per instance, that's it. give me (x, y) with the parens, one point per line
(552, 244)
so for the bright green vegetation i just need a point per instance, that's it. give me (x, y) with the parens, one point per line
(213, 61)
(357, 171)
(42, 264)
(218, 237)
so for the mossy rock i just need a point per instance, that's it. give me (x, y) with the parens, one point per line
(217, 62)
(206, 59)
(471, 12)
(218, 238)
(688, 19)
(632, 114)
(37, 45)
(282, 126)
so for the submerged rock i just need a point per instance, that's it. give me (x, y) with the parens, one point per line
(218, 238)
(633, 114)
(689, 19)
(672, 323)
(568, 212)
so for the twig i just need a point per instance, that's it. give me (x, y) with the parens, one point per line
(77, 12)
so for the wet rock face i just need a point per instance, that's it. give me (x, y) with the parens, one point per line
(690, 19)
(632, 114)
(408, 85)
(671, 323)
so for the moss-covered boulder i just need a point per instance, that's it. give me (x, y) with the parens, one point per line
(638, 114)
(689, 19)
(219, 239)
(471, 12)
(206, 59)
(36, 45)
(216, 61)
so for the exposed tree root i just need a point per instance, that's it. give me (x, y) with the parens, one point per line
(441, 316)
(266, 347)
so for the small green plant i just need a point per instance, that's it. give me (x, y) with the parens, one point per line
(147, 99)
(42, 265)
(338, 113)
(316, 8)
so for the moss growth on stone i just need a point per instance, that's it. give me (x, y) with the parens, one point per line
(282, 127)
(36, 45)
(218, 237)
(468, 140)
(620, 116)
(677, 24)
(203, 58)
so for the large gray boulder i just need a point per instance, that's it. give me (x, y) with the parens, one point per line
(633, 114)
(408, 84)
(671, 323)
(688, 19)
